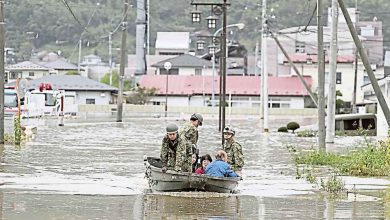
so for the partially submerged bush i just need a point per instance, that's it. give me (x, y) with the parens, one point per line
(307, 133)
(282, 129)
(293, 126)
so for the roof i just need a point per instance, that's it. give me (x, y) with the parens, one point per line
(71, 82)
(59, 64)
(304, 58)
(172, 40)
(236, 85)
(26, 65)
(185, 60)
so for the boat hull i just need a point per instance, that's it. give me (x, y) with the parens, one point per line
(177, 181)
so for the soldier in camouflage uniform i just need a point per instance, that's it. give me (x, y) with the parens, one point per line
(174, 150)
(233, 150)
(189, 132)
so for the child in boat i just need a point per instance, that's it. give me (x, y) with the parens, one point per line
(220, 168)
(204, 160)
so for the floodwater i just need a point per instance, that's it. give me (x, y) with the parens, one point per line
(93, 169)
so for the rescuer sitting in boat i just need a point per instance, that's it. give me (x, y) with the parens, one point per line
(174, 151)
(219, 167)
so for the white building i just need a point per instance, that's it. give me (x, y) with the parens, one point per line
(172, 43)
(186, 65)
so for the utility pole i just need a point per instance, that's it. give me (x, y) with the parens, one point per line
(256, 58)
(366, 63)
(354, 110)
(123, 64)
(2, 71)
(224, 53)
(140, 38)
(110, 55)
(321, 76)
(78, 66)
(331, 110)
(264, 70)
(300, 77)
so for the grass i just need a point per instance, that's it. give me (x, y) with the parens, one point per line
(370, 160)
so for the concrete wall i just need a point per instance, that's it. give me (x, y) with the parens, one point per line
(147, 110)
(101, 98)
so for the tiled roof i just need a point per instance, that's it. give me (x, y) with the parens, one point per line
(59, 64)
(185, 60)
(236, 85)
(26, 65)
(304, 58)
(71, 82)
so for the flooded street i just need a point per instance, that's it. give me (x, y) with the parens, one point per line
(93, 169)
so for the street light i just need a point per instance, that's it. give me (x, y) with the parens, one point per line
(212, 51)
(167, 67)
(219, 8)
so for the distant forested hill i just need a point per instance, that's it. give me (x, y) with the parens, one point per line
(48, 24)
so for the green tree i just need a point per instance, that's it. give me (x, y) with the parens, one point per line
(72, 72)
(127, 85)
(140, 96)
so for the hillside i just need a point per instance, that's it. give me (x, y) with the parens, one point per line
(48, 24)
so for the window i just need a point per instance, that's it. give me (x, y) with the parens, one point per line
(50, 100)
(174, 71)
(368, 123)
(13, 75)
(30, 73)
(338, 78)
(90, 101)
(352, 124)
(10, 100)
(327, 46)
(198, 72)
(300, 47)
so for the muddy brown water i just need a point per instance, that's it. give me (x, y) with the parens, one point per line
(93, 169)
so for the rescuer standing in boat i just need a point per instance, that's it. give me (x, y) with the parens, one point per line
(190, 133)
(174, 151)
(233, 150)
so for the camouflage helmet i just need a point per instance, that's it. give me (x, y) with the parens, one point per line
(229, 130)
(172, 127)
(197, 116)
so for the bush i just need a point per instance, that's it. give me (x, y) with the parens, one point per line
(282, 129)
(307, 133)
(293, 126)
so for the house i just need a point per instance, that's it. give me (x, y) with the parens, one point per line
(34, 70)
(25, 70)
(241, 91)
(186, 65)
(91, 60)
(370, 97)
(296, 40)
(345, 75)
(86, 91)
(59, 66)
(150, 60)
(172, 43)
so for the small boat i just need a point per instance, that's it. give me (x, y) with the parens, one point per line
(173, 181)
